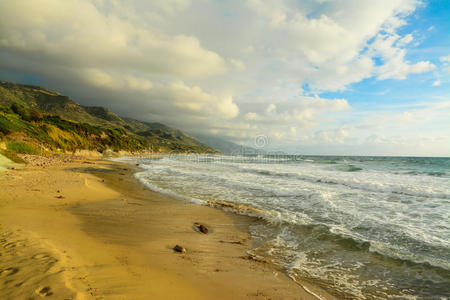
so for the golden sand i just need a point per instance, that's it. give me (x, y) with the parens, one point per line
(89, 230)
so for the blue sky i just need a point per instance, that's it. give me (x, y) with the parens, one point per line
(358, 77)
(431, 24)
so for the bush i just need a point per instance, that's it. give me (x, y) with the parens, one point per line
(20, 110)
(6, 109)
(22, 147)
(4, 125)
(35, 116)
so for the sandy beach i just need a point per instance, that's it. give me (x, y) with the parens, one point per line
(87, 229)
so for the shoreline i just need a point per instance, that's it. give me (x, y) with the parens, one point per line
(105, 235)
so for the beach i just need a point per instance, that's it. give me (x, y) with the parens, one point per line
(87, 229)
(358, 227)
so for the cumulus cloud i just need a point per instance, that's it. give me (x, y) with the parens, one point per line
(305, 111)
(75, 45)
(202, 66)
(418, 129)
(77, 33)
(395, 65)
(424, 112)
(335, 136)
(177, 102)
(285, 121)
(332, 48)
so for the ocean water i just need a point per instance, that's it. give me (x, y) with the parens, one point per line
(360, 227)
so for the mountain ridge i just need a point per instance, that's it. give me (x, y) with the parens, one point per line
(35, 99)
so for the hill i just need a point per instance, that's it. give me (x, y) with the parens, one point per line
(227, 147)
(40, 116)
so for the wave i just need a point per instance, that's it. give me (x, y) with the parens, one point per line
(334, 232)
(346, 224)
(354, 241)
(140, 176)
(374, 186)
(315, 254)
(352, 168)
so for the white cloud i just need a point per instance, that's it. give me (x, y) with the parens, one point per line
(405, 40)
(396, 68)
(239, 74)
(195, 100)
(238, 64)
(285, 119)
(293, 131)
(70, 32)
(271, 108)
(436, 83)
(249, 50)
(99, 78)
(101, 48)
(139, 83)
(328, 42)
(445, 58)
(251, 116)
(394, 64)
(307, 111)
(416, 118)
(335, 136)
(421, 129)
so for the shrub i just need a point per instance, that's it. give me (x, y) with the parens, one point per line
(35, 116)
(22, 147)
(4, 126)
(6, 109)
(20, 110)
(8, 125)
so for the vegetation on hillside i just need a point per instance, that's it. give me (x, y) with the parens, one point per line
(43, 118)
(25, 132)
(22, 148)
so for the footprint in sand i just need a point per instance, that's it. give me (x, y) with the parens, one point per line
(8, 271)
(11, 245)
(43, 291)
(43, 258)
(40, 256)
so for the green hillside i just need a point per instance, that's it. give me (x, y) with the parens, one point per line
(164, 136)
(37, 98)
(38, 116)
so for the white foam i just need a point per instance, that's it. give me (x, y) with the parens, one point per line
(397, 214)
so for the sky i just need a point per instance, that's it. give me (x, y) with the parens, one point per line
(339, 77)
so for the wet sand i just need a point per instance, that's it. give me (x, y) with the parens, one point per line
(90, 230)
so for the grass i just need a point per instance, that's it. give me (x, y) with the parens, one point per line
(33, 111)
(22, 148)
(56, 133)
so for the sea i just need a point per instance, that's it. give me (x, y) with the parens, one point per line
(359, 227)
